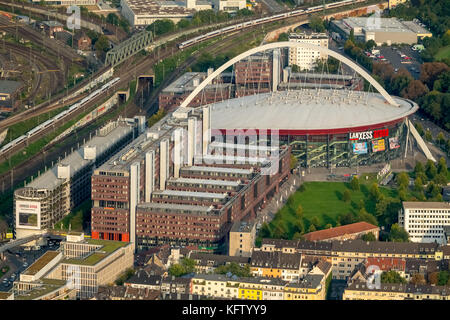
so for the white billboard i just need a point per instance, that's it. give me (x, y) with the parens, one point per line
(28, 214)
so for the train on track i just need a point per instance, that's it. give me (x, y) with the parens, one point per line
(256, 22)
(46, 124)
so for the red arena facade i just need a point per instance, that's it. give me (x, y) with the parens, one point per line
(325, 128)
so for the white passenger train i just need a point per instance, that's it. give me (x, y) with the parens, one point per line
(255, 22)
(60, 115)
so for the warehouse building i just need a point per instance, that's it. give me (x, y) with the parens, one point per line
(145, 12)
(47, 199)
(388, 30)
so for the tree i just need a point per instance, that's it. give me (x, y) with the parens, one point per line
(188, 265)
(176, 270)
(392, 277)
(398, 234)
(428, 136)
(183, 23)
(234, 269)
(430, 71)
(414, 90)
(346, 196)
(433, 278)
(368, 237)
(315, 221)
(367, 217)
(265, 231)
(430, 169)
(402, 179)
(102, 46)
(375, 192)
(311, 228)
(299, 211)
(418, 184)
(370, 45)
(328, 226)
(283, 37)
(432, 190)
(355, 183)
(295, 68)
(160, 27)
(316, 24)
(442, 166)
(418, 279)
(345, 219)
(112, 18)
(443, 278)
(441, 139)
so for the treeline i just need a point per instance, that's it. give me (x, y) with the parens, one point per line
(430, 91)
(200, 18)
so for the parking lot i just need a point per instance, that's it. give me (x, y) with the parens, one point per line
(392, 54)
(19, 259)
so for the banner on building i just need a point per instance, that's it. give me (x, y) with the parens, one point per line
(360, 148)
(378, 145)
(393, 143)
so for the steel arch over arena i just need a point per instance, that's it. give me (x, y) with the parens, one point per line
(288, 44)
(324, 127)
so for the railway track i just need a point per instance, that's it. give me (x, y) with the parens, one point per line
(55, 47)
(42, 65)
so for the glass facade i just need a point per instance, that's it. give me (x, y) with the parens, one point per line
(338, 150)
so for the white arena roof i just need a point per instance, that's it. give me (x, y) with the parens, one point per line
(308, 110)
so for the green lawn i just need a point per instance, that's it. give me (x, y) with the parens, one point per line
(443, 53)
(324, 201)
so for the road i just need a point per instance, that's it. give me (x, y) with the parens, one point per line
(18, 260)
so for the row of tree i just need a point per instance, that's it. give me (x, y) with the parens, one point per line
(203, 17)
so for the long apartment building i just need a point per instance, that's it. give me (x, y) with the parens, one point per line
(172, 186)
(47, 199)
(311, 287)
(359, 290)
(425, 221)
(304, 58)
(345, 256)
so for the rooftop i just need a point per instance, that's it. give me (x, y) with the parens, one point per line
(148, 7)
(175, 207)
(47, 286)
(242, 226)
(41, 262)
(177, 193)
(307, 110)
(49, 180)
(107, 248)
(426, 205)
(386, 25)
(340, 231)
(218, 170)
(224, 183)
(9, 86)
